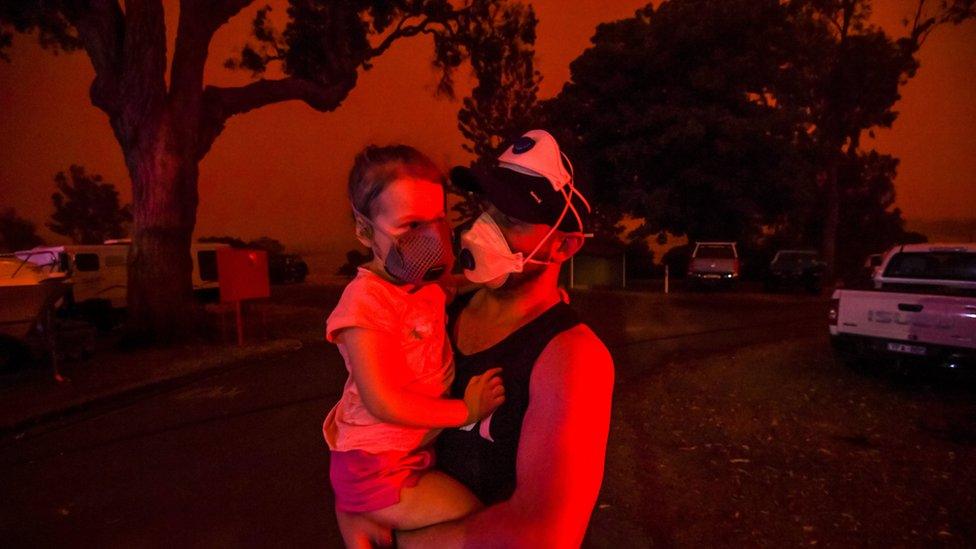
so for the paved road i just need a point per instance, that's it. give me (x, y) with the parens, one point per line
(237, 459)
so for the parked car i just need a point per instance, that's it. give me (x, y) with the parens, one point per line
(922, 309)
(795, 269)
(286, 268)
(714, 263)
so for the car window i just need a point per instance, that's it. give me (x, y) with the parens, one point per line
(715, 252)
(933, 265)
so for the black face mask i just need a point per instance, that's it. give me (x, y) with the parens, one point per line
(420, 255)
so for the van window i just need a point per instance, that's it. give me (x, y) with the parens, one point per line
(207, 262)
(64, 262)
(933, 265)
(86, 262)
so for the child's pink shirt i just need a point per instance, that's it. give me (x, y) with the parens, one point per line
(417, 321)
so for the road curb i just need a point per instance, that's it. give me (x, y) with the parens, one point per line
(114, 396)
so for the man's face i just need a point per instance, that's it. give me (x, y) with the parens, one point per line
(525, 237)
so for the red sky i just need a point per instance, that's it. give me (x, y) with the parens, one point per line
(280, 171)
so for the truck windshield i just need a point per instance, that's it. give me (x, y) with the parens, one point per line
(933, 265)
(715, 252)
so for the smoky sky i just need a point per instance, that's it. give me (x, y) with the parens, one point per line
(280, 171)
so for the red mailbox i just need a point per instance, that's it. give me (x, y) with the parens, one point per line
(242, 274)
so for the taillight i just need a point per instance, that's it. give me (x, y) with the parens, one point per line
(834, 312)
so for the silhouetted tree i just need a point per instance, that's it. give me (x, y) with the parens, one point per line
(86, 209)
(17, 233)
(866, 183)
(166, 123)
(669, 114)
(856, 71)
(231, 241)
(268, 244)
(354, 258)
(501, 105)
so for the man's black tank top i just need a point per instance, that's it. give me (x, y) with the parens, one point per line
(483, 457)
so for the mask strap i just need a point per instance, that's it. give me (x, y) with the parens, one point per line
(373, 226)
(568, 195)
(368, 221)
(529, 259)
(569, 200)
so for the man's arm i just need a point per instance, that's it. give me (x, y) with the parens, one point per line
(560, 455)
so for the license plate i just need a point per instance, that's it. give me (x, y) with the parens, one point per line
(903, 348)
(713, 276)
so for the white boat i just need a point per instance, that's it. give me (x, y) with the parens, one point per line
(26, 292)
(99, 272)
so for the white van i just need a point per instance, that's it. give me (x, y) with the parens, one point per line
(99, 271)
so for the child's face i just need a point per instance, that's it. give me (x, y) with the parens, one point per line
(403, 205)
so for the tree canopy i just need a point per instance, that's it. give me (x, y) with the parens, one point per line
(670, 114)
(86, 208)
(17, 233)
(166, 118)
(741, 119)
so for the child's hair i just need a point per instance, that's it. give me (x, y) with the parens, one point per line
(376, 167)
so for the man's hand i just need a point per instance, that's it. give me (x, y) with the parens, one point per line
(483, 395)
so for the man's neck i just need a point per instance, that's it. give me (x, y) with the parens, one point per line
(526, 299)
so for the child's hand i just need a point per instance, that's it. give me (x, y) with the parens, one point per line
(483, 394)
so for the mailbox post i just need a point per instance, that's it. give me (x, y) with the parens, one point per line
(242, 274)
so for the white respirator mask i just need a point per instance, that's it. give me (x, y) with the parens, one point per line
(488, 259)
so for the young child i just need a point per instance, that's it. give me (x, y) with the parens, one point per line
(389, 326)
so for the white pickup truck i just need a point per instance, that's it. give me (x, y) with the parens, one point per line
(922, 309)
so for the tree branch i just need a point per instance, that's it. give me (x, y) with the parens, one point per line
(220, 104)
(101, 29)
(401, 31)
(227, 102)
(199, 20)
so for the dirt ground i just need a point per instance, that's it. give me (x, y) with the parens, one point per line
(776, 445)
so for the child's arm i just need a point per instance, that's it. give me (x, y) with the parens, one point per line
(381, 374)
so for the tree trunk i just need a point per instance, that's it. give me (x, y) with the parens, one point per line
(831, 221)
(164, 187)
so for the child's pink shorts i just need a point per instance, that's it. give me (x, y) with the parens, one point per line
(364, 482)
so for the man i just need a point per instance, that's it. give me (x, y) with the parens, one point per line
(536, 462)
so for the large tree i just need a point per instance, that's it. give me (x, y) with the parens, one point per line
(670, 114)
(855, 71)
(166, 126)
(86, 208)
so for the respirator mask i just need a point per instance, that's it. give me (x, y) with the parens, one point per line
(488, 259)
(418, 256)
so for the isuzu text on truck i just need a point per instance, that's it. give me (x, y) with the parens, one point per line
(922, 309)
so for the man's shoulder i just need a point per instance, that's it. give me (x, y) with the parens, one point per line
(579, 338)
(575, 353)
